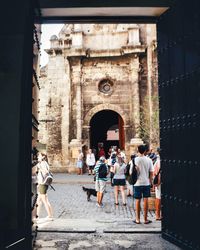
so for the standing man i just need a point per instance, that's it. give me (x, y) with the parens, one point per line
(101, 171)
(143, 184)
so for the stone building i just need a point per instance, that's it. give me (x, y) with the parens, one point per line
(35, 84)
(98, 88)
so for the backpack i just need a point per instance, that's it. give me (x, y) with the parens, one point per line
(133, 177)
(126, 172)
(102, 173)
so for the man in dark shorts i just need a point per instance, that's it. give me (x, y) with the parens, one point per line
(143, 184)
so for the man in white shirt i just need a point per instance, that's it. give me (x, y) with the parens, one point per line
(142, 187)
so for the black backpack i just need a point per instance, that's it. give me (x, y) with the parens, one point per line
(102, 173)
(126, 172)
(133, 177)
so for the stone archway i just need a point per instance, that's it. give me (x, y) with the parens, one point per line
(106, 106)
(124, 124)
(106, 130)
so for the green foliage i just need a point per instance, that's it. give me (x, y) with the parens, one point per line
(149, 126)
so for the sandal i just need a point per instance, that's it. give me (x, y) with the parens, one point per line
(124, 204)
(136, 222)
(116, 204)
(147, 222)
(159, 219)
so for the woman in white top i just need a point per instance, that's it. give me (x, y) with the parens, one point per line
(119, 179)
(90, 161)
(79, 163)
(43, 168)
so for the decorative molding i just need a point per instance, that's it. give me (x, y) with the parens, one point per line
(106, 106)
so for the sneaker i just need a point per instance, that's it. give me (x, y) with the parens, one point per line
(34, 220)
(49, 218)
(99, 205)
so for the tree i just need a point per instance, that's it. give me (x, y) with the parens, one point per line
(149, 121)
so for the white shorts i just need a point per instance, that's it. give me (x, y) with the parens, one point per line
(100, 186)
(158, 192)
(79, 164)
(129, 187)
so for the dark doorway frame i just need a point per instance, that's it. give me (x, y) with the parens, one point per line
(16, 72)
(100, 19)
(188, 69)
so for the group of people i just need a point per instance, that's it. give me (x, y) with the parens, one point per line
(147, 165)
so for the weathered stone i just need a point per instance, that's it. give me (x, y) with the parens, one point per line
(94, 68)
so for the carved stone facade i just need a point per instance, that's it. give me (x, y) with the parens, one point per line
(94, 72)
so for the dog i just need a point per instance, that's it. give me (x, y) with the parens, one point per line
(90, 191)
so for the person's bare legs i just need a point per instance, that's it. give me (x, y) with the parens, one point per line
(116, 194)
(158, 206)
(38, 205)
(47, 205)
(137, 208)
(122, 189)
(81, 171)
(100, 198)
(145, 209)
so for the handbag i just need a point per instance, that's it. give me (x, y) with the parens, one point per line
(47, 178)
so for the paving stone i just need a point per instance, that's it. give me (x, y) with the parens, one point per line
(85, 225)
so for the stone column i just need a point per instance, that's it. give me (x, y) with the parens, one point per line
(76, 143)
(135, 119)
(135, 95)
(86, 135)
(78, 110)
(126, 137)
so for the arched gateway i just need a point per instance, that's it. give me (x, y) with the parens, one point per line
(105, 124)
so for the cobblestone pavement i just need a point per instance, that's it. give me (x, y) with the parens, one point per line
(74, 214)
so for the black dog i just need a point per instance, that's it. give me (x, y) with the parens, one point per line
(90, 191)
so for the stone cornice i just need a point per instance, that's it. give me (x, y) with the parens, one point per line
(129, 49)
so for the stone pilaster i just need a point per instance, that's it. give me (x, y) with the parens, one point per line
(133, 36)
(135, 96)
(78, 110)
(65, 92)
(76, 143)
(77, 41)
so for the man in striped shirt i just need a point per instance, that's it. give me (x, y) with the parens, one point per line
(101, 171)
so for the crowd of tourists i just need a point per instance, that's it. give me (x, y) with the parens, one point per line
(137, 177)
